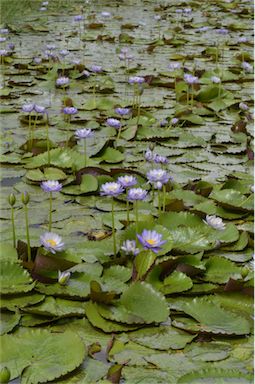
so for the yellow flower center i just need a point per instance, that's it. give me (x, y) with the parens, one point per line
(52, 242)
(151, 241)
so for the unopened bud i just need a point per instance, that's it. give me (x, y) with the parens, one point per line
(5, 375)
(25, 198)
(12, 199)
(63, 277)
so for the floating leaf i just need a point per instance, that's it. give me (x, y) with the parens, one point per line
(8, 321)
(223, 376)
(29, 354)
(14, 279)
(176, 282)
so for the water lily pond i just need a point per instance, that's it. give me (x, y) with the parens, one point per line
(126, 192)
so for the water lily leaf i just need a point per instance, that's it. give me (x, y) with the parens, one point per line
(162, 338)
(212, 318)
(141, 300)
(112, 155)
(176, 282)
(174, 219)
(223, 376)
(57, 307)
(212, 351)
(9, 320)
(29, 354)
(231, 198)
(8, 252)
(14, 279)
(89, 183)
(143, 262)
(220, 270)
(100, 322)
(17, 301)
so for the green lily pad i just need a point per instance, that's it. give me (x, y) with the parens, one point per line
(14, 279)
(223, 376)
(9, 320)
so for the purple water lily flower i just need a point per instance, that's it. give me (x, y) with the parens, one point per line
(111, 189)
(105, 14)
(136, 80)
(127, 181)
(122, 111)
(39, 109)
(83, 133)
(136, 194)
(174, 66)
(78, 18)
(158, 159)
(3, 52)
(37, 60)
(2, 39)
(70, 110)
(158, 175)
(129, 247)
(96, 68)
(62, 81)
(247, 67)
(190, 79)
(174, 120)
(52, 242)
(151, 240)
(243, 106)
(64, 52)
(149, 155)
(215, 222)
(51, 186)
(51, 47)
(215, 79)
(28, 107)
(113, 123)
(4, 31)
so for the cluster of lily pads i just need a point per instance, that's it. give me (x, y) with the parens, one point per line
(127, 194)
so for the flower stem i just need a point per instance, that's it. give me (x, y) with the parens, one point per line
(136, 216)
(127, 212)
(138, 110)
(47, 138)
(27, 234)
(164, 197)
(50, 213)
(159, 202)
(113, 230)
(85, 152)
(13, 227)
(30, 133)
(68, 129)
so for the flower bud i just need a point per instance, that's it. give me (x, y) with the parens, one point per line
(12, 199)
(25, 198)
(63, 277)
(5, 375)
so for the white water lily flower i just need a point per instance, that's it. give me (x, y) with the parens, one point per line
(215, 222)
(52, 242)
(63, 277)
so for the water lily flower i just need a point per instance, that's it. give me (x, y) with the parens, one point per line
(2, 39)
(136, 194)
(11, 46)
(78, 18)
(202, 29)
(62, 81)
(243, 39)
(158, 159)
(50, 47)
(52, 242)
(113, 123)
(222, 31)
(190, 79)
(96, 68)
(51, 186)
(122, 111)
(136, 80)
(43, 9)
(127, 181)
(111, 189)
(83, 133)
(4, 31)
(39, 109)
(158, 175)
(215, 222)
(28, 107)
(129, 247)
(151, 240)
(105, 14)
(215, 79)
(149, 155)
(243, 106)
(70, 110)
(3, 52)
(174, 66)
(64, 52)
(247, 67)
(37, 60)
(85, 73)
(174, 120)
(63, 277)
(157, 17)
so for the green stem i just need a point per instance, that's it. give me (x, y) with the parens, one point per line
(159, 202)
(127, 211)
(85, 152)
(27, 234)
(188, 95)
(50, 213)
(13, 227)
(136, 216)
(30, 133)
(47, 138)
(138, 110)
(113, 230)
(164, 198)
(94, 93)
(192, 94)
(68, 129)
